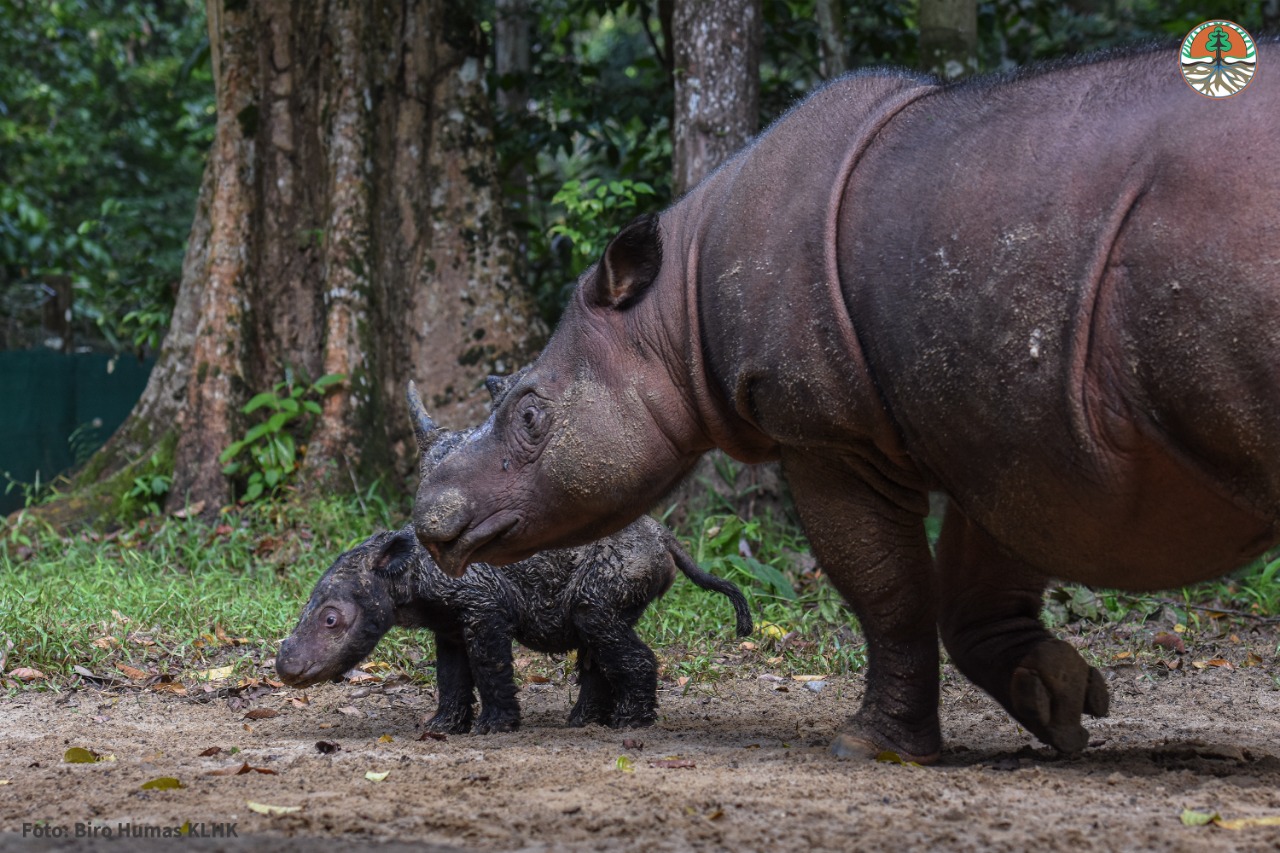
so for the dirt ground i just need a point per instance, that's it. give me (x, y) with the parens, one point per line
(747, 770)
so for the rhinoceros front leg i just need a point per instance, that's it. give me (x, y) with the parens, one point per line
(990, 624)
(875, 552)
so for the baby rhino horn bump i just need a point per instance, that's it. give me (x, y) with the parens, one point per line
(424, 429)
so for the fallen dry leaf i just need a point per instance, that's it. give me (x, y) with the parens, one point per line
(300, 701)
(264, 808)
(26, 673)
(80, 755)
(537, 679)
(1170, 641)
(1252, 660)
(632, 743)
(215, 674)
(429, 735)
(377, 777)
(174, 687)
(1122, 655)
(807, 677)
(164, 783)
(190, 511)
(350, 711)
(132, 672)
(262, 714)
(386, 739)
(211, 751)
(1205, 664)
(106, 642)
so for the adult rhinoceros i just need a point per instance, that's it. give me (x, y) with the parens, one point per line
(1054, 296)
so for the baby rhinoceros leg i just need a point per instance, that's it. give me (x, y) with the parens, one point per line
(625, 663)
(595, 694)
(455, 687)
(990, 624)
(489, 640)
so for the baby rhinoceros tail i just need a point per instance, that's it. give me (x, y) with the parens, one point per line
(705, 580)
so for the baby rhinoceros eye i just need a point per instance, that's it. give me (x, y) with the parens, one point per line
(331, 619)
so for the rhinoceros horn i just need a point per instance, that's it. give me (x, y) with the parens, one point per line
(424, 429)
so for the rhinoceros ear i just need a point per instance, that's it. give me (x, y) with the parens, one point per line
(630, 264)
(395, 554)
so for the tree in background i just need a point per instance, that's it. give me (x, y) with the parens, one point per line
(348, 225)
(949, 37)
(717, 84)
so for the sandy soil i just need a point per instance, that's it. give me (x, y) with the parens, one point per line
(750, 772)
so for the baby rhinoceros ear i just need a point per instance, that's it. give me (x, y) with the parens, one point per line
(630, 264)
(395, 555)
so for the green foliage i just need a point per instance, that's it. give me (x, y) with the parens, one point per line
(593, 211)
(600, 102)
(290, 408)
(106, 111)
(149, 490)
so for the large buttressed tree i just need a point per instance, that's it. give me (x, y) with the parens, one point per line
(348, 222)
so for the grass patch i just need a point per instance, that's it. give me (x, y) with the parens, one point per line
(174, 598)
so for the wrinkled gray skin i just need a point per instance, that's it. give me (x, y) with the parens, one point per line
(1054, 297)
(587, 598)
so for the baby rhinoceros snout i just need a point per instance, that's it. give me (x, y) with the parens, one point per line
(293, 667)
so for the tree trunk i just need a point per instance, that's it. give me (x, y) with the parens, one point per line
(717, 83)
(949, 37)
(830, 38)
(716, 46)
(349, 222)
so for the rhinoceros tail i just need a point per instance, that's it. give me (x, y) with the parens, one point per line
(706, 580)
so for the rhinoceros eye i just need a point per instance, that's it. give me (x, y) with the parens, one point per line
(532, 419)
(331, 618)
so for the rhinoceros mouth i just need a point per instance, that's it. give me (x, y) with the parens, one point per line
(456, 554)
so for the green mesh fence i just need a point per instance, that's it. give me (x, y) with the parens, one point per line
(56, 409)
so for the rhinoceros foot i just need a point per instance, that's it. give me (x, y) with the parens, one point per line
(1050, 688)
(860, 740)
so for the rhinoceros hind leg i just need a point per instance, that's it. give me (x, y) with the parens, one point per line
(1049, 690)
(990, 624)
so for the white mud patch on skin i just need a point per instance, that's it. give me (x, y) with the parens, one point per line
(761, 778)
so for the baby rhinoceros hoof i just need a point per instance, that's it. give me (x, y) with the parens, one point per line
(450, 723)
(639, 720)
(487, 724)
(1051, 687)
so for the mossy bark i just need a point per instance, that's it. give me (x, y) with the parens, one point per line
(717, 83)
(349, 222)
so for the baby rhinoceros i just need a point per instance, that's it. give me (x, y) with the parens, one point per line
(586, 598)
